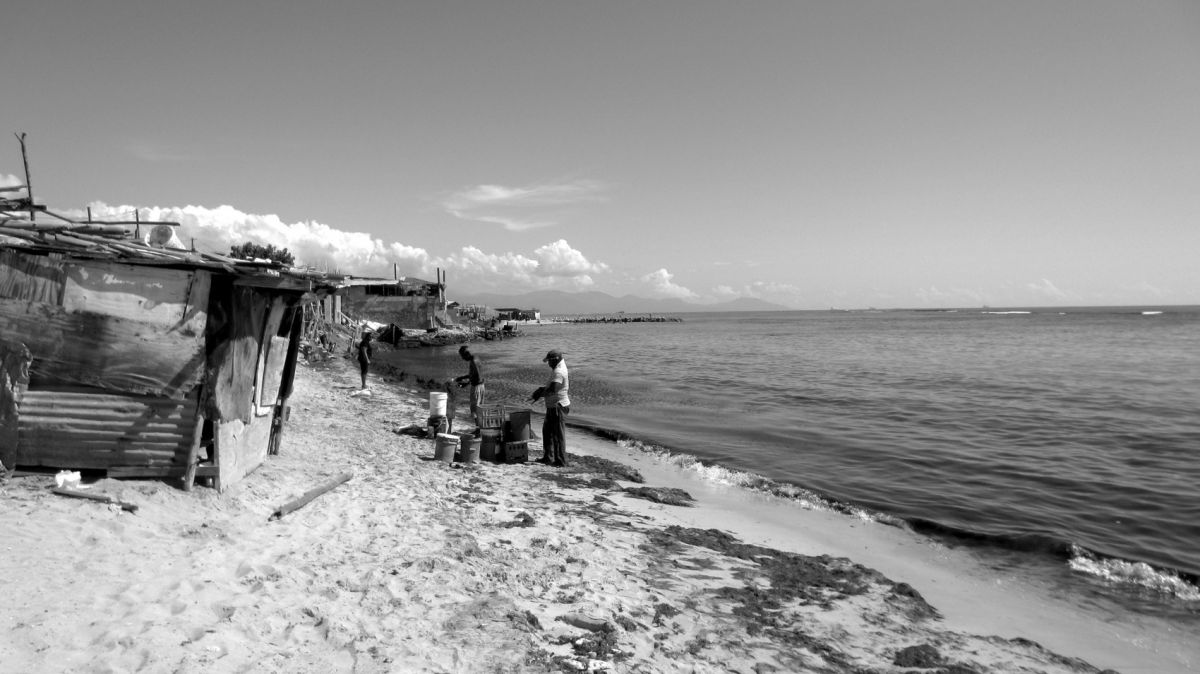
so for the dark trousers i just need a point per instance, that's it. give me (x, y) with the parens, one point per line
(554, 434)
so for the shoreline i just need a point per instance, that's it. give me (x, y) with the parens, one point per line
(415, 565)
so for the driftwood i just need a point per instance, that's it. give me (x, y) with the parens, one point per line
(102, 498)
(309, 495)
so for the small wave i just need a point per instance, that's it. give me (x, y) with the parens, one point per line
(1001, 313)
(718, 474)
(1141, 574)
(1151, 313)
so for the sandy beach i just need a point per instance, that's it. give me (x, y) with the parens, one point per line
(415, 565)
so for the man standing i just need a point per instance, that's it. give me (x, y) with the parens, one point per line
(554, 428)
(475, 378)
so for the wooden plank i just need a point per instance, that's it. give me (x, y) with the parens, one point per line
(269, 369)
(102, 498)
(308, 496)
(193, 455)
(241, 447)
(234, 363)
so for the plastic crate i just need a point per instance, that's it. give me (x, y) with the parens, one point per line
(491, 416)
(514, 452)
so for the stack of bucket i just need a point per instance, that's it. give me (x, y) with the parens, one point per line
(516, 437)
(437, 413)
(489, 444)
(468, 448)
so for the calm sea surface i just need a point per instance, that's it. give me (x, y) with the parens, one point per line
(1063, 442)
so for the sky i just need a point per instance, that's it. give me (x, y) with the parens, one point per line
(815, 154)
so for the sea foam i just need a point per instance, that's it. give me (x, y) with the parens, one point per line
(717, 474)
(1140, 574)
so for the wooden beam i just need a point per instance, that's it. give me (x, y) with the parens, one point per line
(193, 456)
(102, 498)
(311, 494)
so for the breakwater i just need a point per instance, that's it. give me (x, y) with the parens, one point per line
(617, 318)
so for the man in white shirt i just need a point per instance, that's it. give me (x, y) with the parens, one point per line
(558, 404)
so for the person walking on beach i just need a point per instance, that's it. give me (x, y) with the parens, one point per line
(474, 377)
(558, 404)
(364, 356)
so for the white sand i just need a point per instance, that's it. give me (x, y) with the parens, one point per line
(420, 566)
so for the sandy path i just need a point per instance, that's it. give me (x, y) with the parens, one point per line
(416, 565)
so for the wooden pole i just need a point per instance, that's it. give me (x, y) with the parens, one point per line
(102, 498)
(28, 184)
(193, 455)
(309, 495)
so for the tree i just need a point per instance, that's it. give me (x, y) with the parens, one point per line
(256, 251)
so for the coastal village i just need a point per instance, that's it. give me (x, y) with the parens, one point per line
(326, 536)
(128, 355)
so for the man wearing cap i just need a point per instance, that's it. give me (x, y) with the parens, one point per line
(554, 394)
(475, 378)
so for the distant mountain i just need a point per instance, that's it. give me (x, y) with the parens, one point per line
(551, 302)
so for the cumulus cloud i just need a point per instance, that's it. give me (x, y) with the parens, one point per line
(554, 265)
(314, 244)
(560, 259)
(8, 180)
(522, 208)
(661, 285)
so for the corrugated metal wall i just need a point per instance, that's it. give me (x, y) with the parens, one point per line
(90, 428)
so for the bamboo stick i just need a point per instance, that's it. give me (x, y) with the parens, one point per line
(311, 494)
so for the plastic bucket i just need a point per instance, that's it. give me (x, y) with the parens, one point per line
(488, 444)
(468, 448)
(437, 425)
(437, 404)
(444, 446)
(517, 426)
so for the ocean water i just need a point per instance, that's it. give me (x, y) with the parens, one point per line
(1059, 442)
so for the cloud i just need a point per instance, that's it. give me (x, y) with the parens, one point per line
(519, 209)
(313, 244)
(8, 180)
(554, 265)
(560, 259)
(661, 285)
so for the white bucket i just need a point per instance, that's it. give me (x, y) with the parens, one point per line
(437, 404)
(444, 447)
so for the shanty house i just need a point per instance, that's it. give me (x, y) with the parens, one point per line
(404, 302)
(143, 361)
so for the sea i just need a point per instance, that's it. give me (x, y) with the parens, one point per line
(1062, 443)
